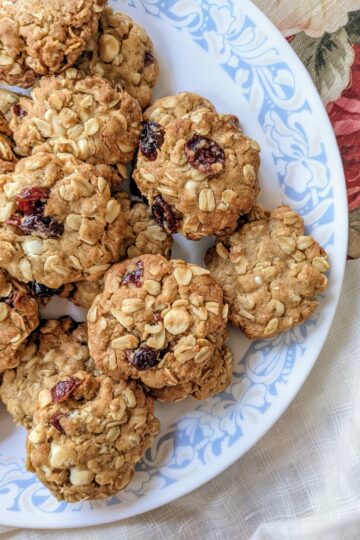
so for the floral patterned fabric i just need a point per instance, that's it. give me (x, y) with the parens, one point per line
(326, 36)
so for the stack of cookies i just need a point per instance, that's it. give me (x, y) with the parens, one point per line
(157, 327)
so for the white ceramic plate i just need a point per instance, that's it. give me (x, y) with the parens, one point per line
(229, 52)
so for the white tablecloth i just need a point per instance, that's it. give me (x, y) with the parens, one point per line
(300, 482)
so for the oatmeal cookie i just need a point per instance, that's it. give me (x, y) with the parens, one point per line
(157, 320)
(58, 221)
(86, 442)
(214, 379)
(56, 347)
(123, 53)
(41, 37)
(84, 116)
(19, 316)
(270, 272)
(166, 109)
(199, 173)
(143, 236)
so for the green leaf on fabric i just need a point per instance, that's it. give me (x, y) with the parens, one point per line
(353, 27)
(328, 60)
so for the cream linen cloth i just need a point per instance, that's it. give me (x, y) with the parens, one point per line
(300, 482)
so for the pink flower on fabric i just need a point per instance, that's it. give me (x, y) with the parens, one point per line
(344, 114)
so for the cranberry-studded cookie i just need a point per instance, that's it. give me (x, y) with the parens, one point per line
(122, 52)
(199, 173)
(19, 316)
(270, 272)
(58, 222)
(84, 116)
(143, 236)
(213, 379)
(166, 109)
(85, 443)
(41, 37)
(57, 347)
(158, 321)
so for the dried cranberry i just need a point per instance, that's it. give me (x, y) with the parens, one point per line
(41, 291)
(204, 154)
(144, 358)
(31, 201)
(63, 389)
(45, 226)
(164, 215)
(18, 110)
(151, 140)
(148, 58)
(157, 316)
(135, 276)
(55, 421)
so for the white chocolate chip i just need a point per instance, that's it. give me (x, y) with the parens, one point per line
(109, 47)
(177, 321)
(5, 211)
(37, 435)
(60, 455)
(81, 477)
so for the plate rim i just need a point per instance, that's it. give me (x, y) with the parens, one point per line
(54, 521)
